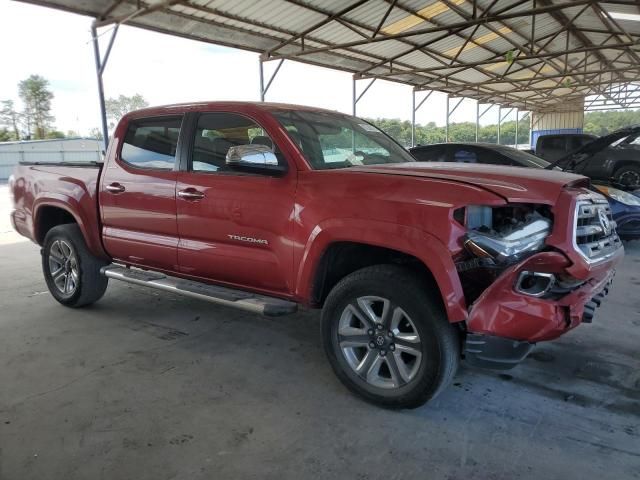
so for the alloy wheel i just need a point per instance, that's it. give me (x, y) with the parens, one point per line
(63, 267)
(380, 342)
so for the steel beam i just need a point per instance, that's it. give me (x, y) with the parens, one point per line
(120, 19)
(444, 28)
(500, 58)
(356, 99)
(264, 89)
(477, 119)
(100, 64)
(446, 125)
(414, 109)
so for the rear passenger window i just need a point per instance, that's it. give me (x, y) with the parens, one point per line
(553, 143)
(429, 154)
(465, 156)
(152, 143)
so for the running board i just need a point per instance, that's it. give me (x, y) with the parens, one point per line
(269, 306)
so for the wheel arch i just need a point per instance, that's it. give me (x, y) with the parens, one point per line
(340, 247)
(52, 211)
(620, 164)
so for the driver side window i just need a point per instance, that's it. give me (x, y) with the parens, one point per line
(216, 133)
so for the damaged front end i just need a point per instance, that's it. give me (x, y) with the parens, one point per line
(521, 281)
(498, 237)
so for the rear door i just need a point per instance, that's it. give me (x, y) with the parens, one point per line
(235, 227)
(138, 194)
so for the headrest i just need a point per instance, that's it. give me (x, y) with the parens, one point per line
(262, 140)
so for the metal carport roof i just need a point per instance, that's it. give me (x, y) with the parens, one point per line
(530, 54)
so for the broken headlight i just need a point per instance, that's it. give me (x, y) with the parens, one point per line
(506, 234)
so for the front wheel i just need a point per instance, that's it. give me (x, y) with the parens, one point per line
(387, 337)
(72, 273)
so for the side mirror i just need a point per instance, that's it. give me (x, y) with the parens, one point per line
(256, 158)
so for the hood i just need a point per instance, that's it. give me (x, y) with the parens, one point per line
(514, 184)
(599, 144)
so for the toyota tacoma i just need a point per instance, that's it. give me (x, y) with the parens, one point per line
(264, 207)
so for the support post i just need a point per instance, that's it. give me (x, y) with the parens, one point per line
(99, 70)
(261, 63)
(413, 114)
(353, 97)
(265, 88)
(499, 121)
(516, 139)
(446, 125)
(357, 99)
(413, 118)
(477, 116)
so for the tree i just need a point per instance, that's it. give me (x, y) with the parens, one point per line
(53, 134)
(5, 135)
(36, 96)
(9, 117)
(118, 107)
(96, 133)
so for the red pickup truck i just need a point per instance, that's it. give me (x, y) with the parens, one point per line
(267, 206)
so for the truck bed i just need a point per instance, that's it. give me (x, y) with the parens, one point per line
(67, 189)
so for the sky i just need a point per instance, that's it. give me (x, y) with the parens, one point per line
(166, 69)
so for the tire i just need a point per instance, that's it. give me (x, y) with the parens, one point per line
(72, 273)
(628, 175)
(396, 299)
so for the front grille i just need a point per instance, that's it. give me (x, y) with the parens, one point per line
(595, 230)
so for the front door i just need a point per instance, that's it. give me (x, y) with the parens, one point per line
(235, 227)
(138, 195)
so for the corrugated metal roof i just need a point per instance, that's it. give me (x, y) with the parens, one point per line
(536, 55)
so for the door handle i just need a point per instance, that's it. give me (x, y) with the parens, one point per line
(190, 194)
(114, 188)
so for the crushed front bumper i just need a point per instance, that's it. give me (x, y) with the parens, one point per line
(503, 323)
(489, 351)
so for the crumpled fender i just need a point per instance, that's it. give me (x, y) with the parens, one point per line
(412, 241)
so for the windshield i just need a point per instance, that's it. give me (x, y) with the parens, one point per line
(331, 140)
(524, 158)
(632, 140)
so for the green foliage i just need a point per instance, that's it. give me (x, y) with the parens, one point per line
(10, 119)
(6, 135)
(118, 107)
(597, 123)
(458, 132)
(55, 134)
(36, 97)
(601, 123)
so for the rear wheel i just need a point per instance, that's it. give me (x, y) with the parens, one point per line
(71, 272)
(629, 175)
(387, 338)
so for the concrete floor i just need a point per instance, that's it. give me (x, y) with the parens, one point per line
(152, 386)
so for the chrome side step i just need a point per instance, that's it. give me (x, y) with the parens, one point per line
(269, 306)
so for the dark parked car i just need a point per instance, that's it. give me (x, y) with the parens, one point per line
(625, 206)
(555, 146)
(613, 158)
